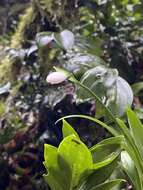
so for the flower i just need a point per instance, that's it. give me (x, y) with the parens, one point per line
(56, 78)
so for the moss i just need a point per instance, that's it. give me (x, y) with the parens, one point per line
(8, 65)
(5, 70)
(61, 12)
(15, 87)
(2, 108)
(25, 21)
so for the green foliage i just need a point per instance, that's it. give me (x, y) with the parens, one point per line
(133, 146)
(113, 31)
(93, 85)
(20, 35)
(67, 129)
(131, 143)
(130, 169)
(113, 91)
(73, 166)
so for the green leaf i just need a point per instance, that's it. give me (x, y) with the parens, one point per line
(131, 170)
(136, 129)
(50, 156)
(108, 185)
(130, 146)
(68, 129)
(54, 178)
(77, 156)
(54, 181)
(107, 148)
(125, 131)
(118, 140)
(66, 171)
(105, 162)
(101, 175)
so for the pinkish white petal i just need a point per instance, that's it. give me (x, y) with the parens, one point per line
(56, 78)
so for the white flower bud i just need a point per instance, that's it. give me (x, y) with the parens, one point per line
(56, 78)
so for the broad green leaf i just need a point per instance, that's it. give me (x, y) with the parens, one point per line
(105, 162)
(136, 129)
(106, 148)
(68, 129)
(112, 140)
(108, 185)
(137, 162)
(66, 171)
(54, 180)
(125, 131)
(50, 156)
(99, 176)
(131, 170)
(54, 177)
(77, 156)
(130, 145)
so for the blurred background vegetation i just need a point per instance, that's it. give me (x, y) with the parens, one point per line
(111, 30)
